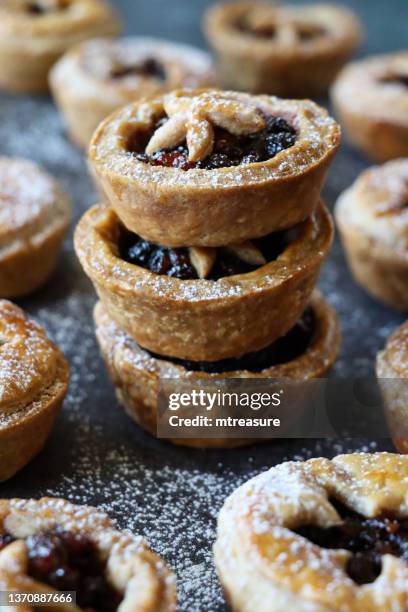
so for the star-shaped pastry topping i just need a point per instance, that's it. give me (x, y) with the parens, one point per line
(192, 118)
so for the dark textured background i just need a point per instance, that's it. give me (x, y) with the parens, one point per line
(96, 454)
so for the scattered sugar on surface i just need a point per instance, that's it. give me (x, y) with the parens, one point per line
(96, 455)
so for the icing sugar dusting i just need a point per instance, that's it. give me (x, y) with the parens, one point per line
(96, 454)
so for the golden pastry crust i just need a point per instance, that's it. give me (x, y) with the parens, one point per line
(201, 207)
(392, 374)
(301, 58)
(373, 222)
(136, 373)
(33, 35)
(137, 573)
(87, 83)
(264, 565)
(33, 384)
(34, 218)
(373, 105)
(203, 319)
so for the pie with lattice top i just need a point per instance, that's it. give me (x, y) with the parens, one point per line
(98, 76)
(53, 548)
(372, 216)
(212, 168)
(318, 536)
(282, 50)
(35, 33)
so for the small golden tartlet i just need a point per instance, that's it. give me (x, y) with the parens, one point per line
(33, 383)
(372, 217)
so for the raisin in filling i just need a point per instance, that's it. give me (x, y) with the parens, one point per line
(68, 561)
(176, 262)
(367, 538)
(284, 350)
(150, 67)
(229, 150)
(261, 31)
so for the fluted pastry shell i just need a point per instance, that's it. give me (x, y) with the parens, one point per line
(34, 218)
(283, 65)
(85, 91)
(374, 113)
(202, 207)
(372, 217)
(136, 373)
(203, 319)
(264, 565)
(136, 572)
(33, 384)
(31, 43)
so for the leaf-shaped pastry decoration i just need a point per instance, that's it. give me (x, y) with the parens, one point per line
(192, 118)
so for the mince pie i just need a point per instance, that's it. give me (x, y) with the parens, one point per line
(203, 303)
(98, 76)
(318, 535)
(33, 384)
(35, 33)
(371, 99)
(210, 168)
(281, 50)
(50, 546)
(307, 351)
(34, 218)
(372, 216)
(392, 374)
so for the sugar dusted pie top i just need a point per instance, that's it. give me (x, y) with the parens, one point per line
(194, 114)
(259, 522)
(31, 202)
(29, 361)
(378, 203)
(376, 86)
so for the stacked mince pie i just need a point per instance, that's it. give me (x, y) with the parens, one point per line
(206, 257)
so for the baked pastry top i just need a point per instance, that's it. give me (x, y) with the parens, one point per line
(51, 545)
(133, 67)
(376, 86)
(32, 205)
(392, 362)
(377, 203)
(30, 363)
(318, 535)
(179, 169)
(291, 51)
(286, 32)
(55, 24)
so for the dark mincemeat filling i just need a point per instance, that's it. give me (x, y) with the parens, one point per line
(282, 351)
(304, 32)
(229, 150)
(367, 538)
(150, 67)
(68, 561)
(38, 8)
(176, 262)
(396, 79)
